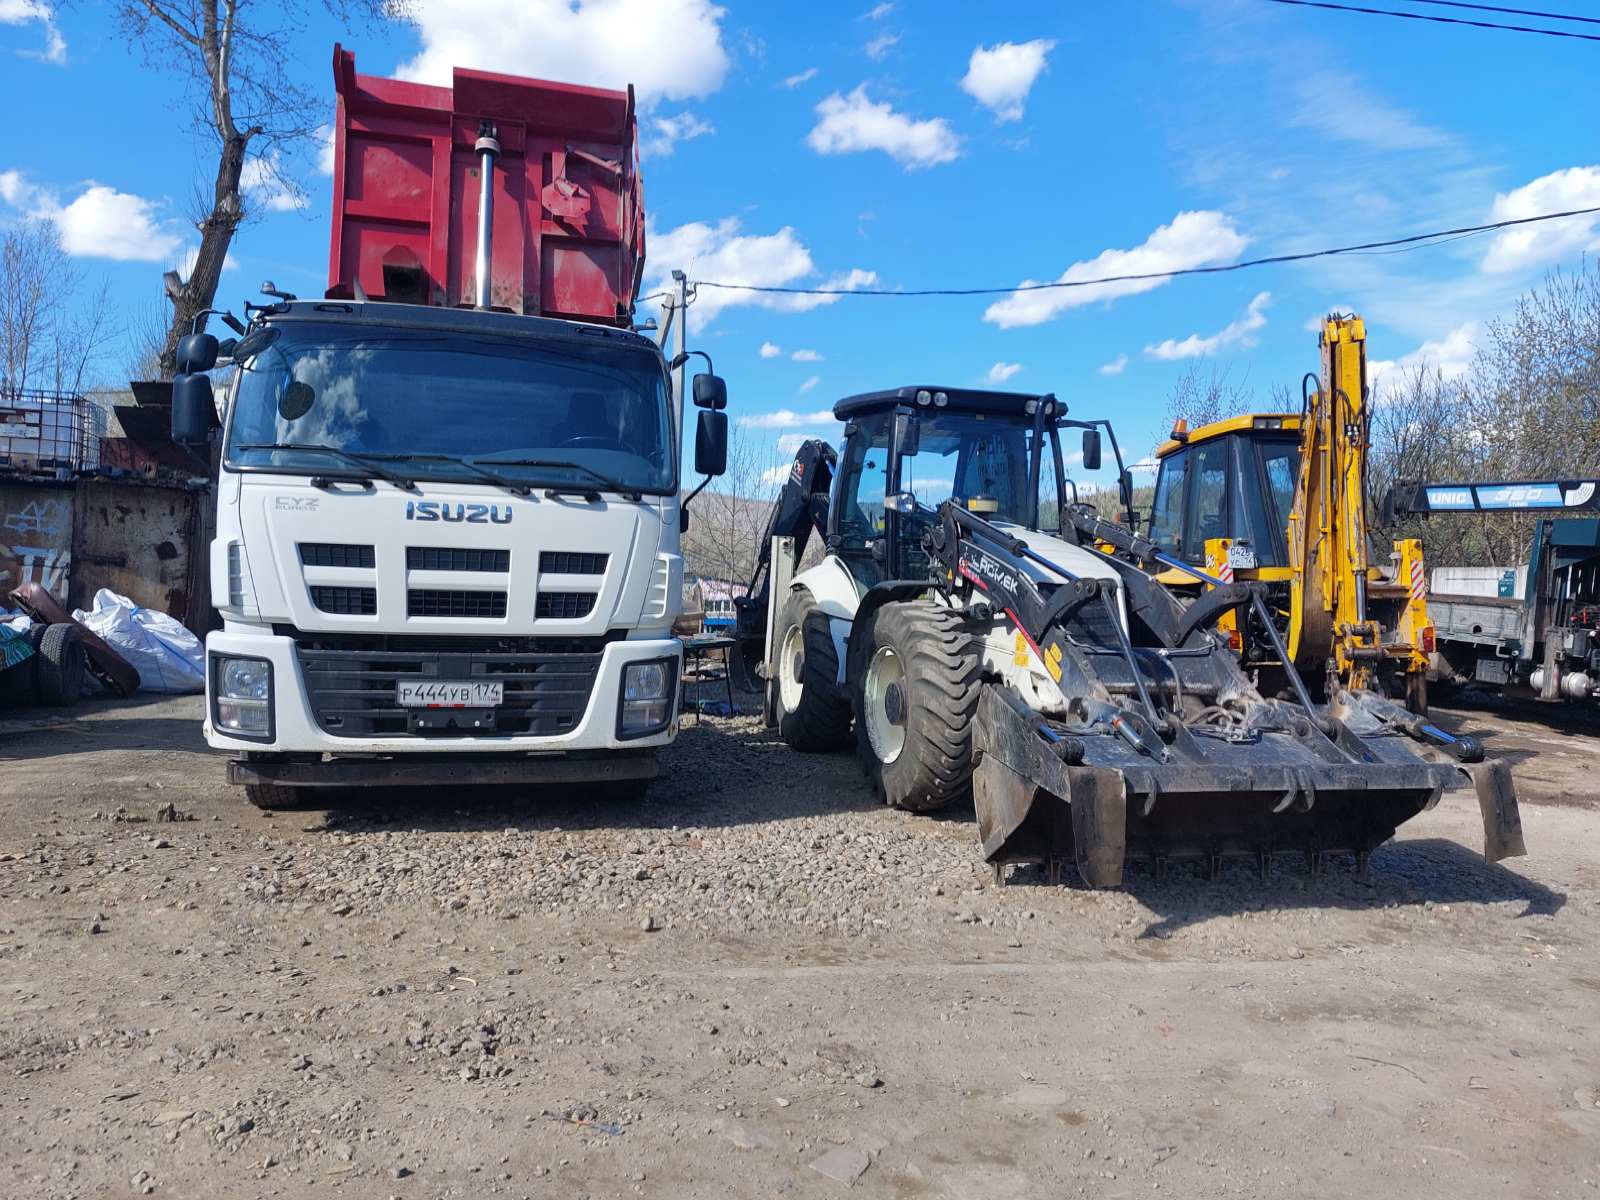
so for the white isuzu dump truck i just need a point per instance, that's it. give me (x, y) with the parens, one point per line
(447, 536)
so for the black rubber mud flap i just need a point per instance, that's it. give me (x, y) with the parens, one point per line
(1502, 819)
(1099, 824)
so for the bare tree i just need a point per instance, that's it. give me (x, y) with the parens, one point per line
(49, 337)
(1203, 397)
(728, 520)
(237, 57)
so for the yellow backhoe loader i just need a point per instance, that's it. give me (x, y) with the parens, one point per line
(1281, 498)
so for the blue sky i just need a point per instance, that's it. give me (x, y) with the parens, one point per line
(928, 145)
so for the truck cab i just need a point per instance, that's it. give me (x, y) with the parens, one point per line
(447, 535)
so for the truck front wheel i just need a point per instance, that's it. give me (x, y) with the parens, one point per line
(271, 797)
(915, 699)
(811, 713)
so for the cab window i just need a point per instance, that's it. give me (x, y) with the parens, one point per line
(1207, 516)
(1166, 520)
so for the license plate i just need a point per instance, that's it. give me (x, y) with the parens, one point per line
(449, 694)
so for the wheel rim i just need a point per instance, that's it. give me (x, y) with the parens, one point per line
(791, 668)
(886, 705)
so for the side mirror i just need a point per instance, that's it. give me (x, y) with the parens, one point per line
(194, 409)
(710, 392)
(1091, 449)
(901, 502)
(907, 433)
(196, 353)
(711, 440)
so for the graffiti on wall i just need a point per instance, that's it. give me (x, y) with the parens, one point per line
(35, 540)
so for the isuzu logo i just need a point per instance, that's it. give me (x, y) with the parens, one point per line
(471, 514)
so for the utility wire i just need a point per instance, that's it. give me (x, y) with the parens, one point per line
(1414, 241)
(1411, 16)
(1516, 12)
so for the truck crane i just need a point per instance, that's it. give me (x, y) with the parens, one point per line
(1533, 628)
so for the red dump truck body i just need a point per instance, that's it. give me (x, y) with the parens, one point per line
(568, 225)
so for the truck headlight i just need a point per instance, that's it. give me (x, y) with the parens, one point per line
(645, 706)
(242, 696)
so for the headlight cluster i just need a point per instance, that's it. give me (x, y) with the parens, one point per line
(646, 704)
(242, 696)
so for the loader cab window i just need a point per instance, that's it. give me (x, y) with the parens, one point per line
(1207, 515)
(1166, 517)
(1280, 463)
(858, 512)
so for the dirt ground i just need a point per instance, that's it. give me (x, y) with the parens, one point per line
(759, 982)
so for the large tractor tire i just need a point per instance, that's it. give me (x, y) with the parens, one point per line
(915, 697)
(811, 713)
(60, 665)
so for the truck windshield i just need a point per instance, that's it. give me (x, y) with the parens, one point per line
(538, 411)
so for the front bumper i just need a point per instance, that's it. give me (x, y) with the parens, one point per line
(299, 723)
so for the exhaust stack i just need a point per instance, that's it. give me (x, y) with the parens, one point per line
(488, 149)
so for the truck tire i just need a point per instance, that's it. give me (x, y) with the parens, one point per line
(914, 701)
(272, 797)
(60, 665)
(811, 714)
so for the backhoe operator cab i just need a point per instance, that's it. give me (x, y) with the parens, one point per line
(998, 455)
(1230, 479)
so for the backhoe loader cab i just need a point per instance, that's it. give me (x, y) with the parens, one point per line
(1230, 479)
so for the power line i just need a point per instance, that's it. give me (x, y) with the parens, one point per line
(1414, 241)
(1517, 12)
(1411, 16)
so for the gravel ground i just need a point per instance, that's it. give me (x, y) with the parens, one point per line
(757, 981)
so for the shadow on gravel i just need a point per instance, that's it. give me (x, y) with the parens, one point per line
(718, 773)
(1405, 873)
(106, 724)
(1573, 720)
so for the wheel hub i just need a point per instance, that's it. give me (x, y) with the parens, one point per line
(886, 707)
(791, 668)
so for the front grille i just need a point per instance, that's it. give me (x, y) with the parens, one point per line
(336, 554)
(572, 562)
(434, 602)
(351, 680)
(345, 601)
(449, 558)
(564, 605)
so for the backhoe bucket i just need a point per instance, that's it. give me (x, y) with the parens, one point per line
(1045, 794)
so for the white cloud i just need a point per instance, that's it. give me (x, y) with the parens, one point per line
(1450, 355)
(1003, 371)
(877, 12)
(770, 350)
(1192, 239)
(1329, 105)
(790, 443)
(664, 133)
(1000, 77)
(806, 356)
(326, 149)
(854, 123)
(23, 12)
(1116, 366)
(1549, 241)
(1241, 332)
(15, 190)
(773, 476)
(810, 383)
(878, 48)
(722, 253)
(787, 418)
(263, 181)
(668, 49)
(794, 81)
(105, 223)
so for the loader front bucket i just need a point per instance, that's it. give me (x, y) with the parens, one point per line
(1052, 797)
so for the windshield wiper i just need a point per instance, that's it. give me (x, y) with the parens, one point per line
(494, 477)
(610, 484)
(367, 463)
